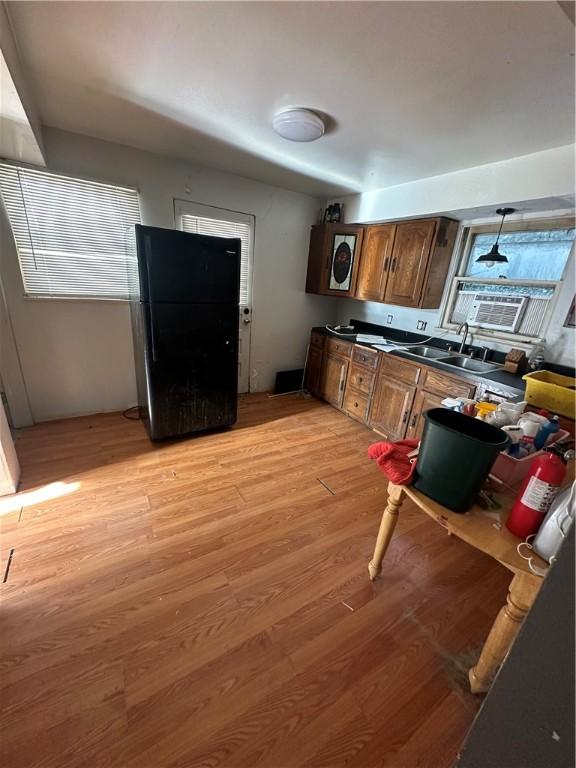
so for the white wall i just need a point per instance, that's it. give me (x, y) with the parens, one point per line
(541, 176)
(77, 355)
(534, 183)
(21, 140)
(9, 466)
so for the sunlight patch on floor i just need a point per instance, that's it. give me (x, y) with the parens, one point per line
(30, 498)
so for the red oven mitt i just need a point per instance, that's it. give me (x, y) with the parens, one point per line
(392, 458)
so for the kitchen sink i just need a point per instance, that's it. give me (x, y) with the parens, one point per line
(468, 364)
(450, 359)
(429, 352)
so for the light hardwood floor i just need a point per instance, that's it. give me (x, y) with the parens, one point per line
(207, 603)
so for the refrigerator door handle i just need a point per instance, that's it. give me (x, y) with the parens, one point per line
(152, 334)
(148, 247)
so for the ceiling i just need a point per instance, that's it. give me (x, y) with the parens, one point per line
(410, 89)
(17, 139)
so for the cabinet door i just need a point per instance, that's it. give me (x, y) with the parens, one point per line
(342, 246)
(313, 370)
(391, 403)
(375, 262)
(409, 262)
(423, 402)
(317, 261)
(333, 378)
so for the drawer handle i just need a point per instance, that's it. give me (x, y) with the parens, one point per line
(414, 420)
(356, 405)
(393, 264)
(386, 262)
(405, 417)
(360, 379)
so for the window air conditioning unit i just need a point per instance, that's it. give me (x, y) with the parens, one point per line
(499, 312)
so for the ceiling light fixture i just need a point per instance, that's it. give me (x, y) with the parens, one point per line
(298, 124)
(494, 256)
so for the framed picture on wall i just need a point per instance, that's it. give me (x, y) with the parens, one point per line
(342, 262)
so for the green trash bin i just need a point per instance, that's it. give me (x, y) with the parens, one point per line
(456, 454)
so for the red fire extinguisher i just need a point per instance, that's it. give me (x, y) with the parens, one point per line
(538, 491)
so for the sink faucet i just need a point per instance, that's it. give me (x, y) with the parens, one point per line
(464, 339)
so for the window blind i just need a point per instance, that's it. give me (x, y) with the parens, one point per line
(220, 228)
(73, 237)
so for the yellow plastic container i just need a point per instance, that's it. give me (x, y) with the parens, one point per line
(552, 391)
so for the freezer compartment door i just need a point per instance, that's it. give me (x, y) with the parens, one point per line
(179, 267)
(193, 360)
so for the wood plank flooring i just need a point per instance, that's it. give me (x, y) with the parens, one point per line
(206, 603)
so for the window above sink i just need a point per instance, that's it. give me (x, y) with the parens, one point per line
(538, 253)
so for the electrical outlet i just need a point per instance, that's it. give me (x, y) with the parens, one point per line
(389, 319)
(421, 325)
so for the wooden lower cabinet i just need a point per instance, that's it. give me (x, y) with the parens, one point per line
(361, 379)
(333, 378)
(313, 370)
(356, 404)
(389, 394)
(390, 409)
(423, 402)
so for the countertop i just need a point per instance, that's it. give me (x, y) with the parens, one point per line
(504, 382)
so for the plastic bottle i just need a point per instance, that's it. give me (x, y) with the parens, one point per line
(547, 429)
(531, 424)
(515, 434)
(536, 360)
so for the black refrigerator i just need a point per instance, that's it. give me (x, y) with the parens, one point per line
(184, 308)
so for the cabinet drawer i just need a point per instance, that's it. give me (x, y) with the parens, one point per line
(401, 370)
(365, 356)
(355, 404)
(317, 339)
(449, 386)
(361, 379)
(338, 347)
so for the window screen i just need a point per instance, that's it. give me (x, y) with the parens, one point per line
(73, 236)
(222, 228)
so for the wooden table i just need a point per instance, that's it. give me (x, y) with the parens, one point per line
(480, 530)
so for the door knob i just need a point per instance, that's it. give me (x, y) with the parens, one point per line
(246, 320)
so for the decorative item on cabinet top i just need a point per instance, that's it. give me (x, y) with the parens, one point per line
(404, 263)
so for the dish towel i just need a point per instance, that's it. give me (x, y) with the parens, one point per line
(392, 458)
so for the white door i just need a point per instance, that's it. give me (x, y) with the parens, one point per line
(208, 220)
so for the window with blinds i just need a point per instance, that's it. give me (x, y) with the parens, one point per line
(74, 237)
(200, 220)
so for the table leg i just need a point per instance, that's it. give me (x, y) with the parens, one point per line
(387, 525)
(521, 594)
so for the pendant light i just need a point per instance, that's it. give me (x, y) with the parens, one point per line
(494, 256)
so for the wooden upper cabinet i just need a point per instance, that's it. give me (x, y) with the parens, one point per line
(375, 262)
(420, 262)
(404, 263)
(408, 263)
(333, 259)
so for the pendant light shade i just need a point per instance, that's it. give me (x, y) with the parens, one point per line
(494, 256)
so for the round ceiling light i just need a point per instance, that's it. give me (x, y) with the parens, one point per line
(298, 124)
